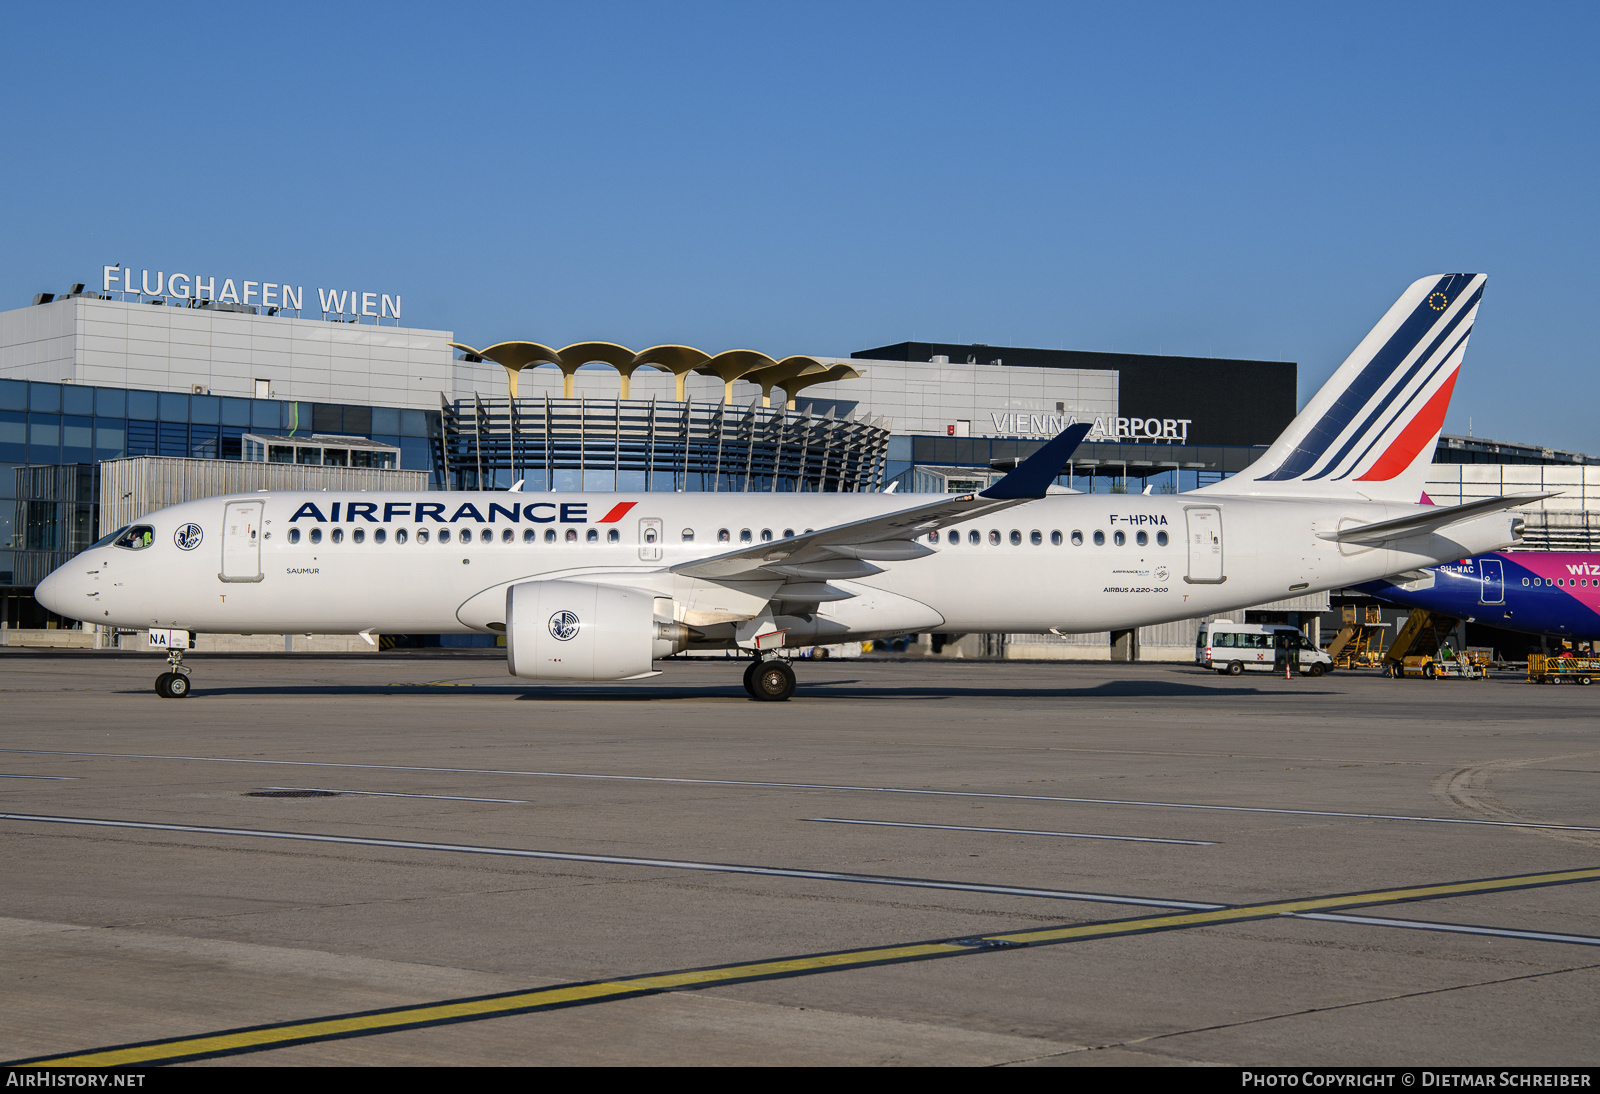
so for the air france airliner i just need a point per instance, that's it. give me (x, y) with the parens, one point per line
(1553, 593)
(589, 586)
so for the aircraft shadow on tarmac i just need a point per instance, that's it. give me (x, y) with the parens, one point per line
(812, 689)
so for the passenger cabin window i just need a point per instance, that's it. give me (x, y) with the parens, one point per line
(444, 535)
(357, 534)
(337, 535)
(723, 536)
(399, 535)
(994, 537)
(1077, 538)
(507, 535)
(1141, 539)
(141, 536)
(316, 535)
(294, 535)
(486, 535)
(688, 535)
(1055, 538)
(572, 535)
(1161, 539)
(613, 536)
(1119, 538)
(766, 535)
(953, 538)
(1036, 537)
(549, 535)
(974, 538)
(1016, 538)
(379, 535)
(744, 535)
(529, 535)
(788, 533)
(593, 536)
(1099, 539)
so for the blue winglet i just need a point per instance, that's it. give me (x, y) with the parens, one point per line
(1034, 474)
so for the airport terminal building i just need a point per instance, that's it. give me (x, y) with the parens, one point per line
(177, 370)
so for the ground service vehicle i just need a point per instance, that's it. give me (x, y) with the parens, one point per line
(1233, 648)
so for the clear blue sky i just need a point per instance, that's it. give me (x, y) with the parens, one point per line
(1226, 180)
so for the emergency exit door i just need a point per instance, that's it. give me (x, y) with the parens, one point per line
(241, 541)
(650, 530)
(1204, 535)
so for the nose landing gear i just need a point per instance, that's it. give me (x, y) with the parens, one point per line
(174, 683)
(769, 680)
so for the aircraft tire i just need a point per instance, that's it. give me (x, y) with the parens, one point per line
(161, 684)
(178, 686)
(1235, 668)
(773, 680)
(750, 679)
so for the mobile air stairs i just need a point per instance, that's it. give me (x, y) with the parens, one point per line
(1416, 650)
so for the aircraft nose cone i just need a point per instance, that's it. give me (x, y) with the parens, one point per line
(53, 591)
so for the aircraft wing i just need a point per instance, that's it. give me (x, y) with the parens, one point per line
(844, 550)
(1431, 520)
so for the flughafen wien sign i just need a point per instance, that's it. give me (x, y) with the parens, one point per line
(263, 294)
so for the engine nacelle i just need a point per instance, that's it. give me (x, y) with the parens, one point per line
(572, 630)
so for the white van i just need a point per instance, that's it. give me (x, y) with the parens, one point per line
(1231, 648)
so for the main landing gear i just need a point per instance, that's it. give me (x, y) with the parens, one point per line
(769, 679)
(174, 683)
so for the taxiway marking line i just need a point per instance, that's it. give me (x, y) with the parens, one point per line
(622, 860)
(278, 1035)
(1454, 928)
(1013, 831)
(53, 778)
(825, 786)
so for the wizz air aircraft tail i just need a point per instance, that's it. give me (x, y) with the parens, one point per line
(1370, 432)
(589, 586)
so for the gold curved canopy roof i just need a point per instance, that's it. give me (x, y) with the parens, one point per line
(791, 374)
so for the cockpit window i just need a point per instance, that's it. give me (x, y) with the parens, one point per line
(104, 540)
(136, 538)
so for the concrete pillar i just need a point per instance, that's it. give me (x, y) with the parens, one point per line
(1125, 645)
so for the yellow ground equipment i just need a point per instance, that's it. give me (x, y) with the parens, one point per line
(1467, 666)
(1359, 643)
(1560, 670)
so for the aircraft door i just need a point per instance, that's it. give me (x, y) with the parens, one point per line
(1491, 572)
(650, 533)
(1205, 545)
(241, 541)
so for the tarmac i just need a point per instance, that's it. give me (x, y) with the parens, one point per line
(393, 860)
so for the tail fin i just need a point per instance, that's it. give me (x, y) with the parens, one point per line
(1370, 432)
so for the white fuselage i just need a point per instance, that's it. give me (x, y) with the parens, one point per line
(1269, 549)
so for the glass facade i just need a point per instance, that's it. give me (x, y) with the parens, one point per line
(72, 426)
